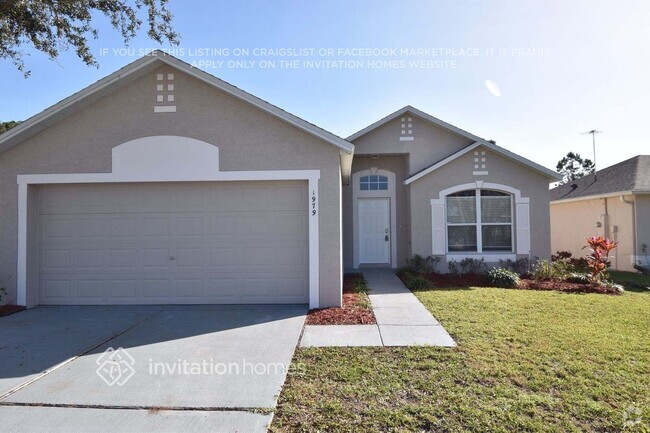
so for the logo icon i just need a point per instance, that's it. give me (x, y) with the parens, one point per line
(115, 366)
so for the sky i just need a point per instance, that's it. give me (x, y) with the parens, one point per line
(533, 76)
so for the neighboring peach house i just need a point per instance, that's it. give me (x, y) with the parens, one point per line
(615, 203)
(161, 184)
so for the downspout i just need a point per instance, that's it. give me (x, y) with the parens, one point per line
(622, 198)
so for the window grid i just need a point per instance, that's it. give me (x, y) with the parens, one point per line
(373, 182)
(479, 223)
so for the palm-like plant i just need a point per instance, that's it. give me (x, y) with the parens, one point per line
(598, 257)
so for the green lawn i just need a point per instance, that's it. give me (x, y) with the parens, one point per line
(526, 361)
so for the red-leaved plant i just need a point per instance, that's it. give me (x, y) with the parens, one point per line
(598, 258)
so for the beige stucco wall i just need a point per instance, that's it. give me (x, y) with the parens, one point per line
(500, 171)
(430, 143)
(248, 139)
(572, 222)
(397, 165)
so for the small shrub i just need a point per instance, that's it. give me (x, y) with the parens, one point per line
(473, 266)
(543, 270)
(422, 265)
(598, 257)
(520, 266)
(579, 278)
(419, 283)
(404, 274)
(3, 290)
(612, 285)
(502, 277)
(577, 264)
(548, 270)
(453, 268)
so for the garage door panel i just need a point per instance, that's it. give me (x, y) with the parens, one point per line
(54, 228)
(90, 290)
(235, 242)
(156, 227)
(190, 289)
(156, 289)
(56, 259)
(89, 259)
(290, 287)
(191, 258)
(123, 289)
(90, 228)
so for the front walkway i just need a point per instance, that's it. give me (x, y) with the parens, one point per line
(402, 320)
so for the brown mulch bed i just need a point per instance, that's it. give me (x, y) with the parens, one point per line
(525, 283)
(356, 308)
(446, 280)
(6, 310)
(563, 286)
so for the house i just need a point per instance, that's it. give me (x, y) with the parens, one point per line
(161, 184)
(615, 203)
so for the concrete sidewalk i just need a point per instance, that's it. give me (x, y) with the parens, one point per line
(402, 320)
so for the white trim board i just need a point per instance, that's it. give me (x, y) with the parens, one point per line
(138, 169)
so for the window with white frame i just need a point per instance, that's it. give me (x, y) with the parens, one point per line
(479, 220)
(373, 182)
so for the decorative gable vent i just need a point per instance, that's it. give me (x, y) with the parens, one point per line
(480, 163)
(164, 94)
(407, 129)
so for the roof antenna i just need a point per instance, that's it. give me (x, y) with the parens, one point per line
(593, 133)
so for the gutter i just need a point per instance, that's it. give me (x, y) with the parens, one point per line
(593, 197)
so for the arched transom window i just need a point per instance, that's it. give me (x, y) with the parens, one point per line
(479, 220)
(373, 182)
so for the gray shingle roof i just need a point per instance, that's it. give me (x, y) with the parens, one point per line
(630, 175)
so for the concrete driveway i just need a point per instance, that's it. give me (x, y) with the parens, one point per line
(145, 368)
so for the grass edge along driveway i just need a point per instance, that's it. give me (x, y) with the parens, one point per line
(527, 361)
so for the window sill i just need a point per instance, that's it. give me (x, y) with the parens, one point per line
(490, 257)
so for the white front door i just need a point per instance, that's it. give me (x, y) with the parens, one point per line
(374, 230)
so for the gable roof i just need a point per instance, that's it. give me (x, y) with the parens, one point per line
(138, 68)
(553, 176)
(478, 141)
(419, 113)
(629, 176)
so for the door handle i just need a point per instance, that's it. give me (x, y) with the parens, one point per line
(386, 238)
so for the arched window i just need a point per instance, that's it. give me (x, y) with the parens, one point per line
(479, 220)
(373, 182)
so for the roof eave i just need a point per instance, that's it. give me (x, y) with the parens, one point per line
(595, 196)
(418, 113)
(551, 175)
(158, 56)
(71, 100)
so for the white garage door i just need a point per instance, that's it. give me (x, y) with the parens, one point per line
(173, 243)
